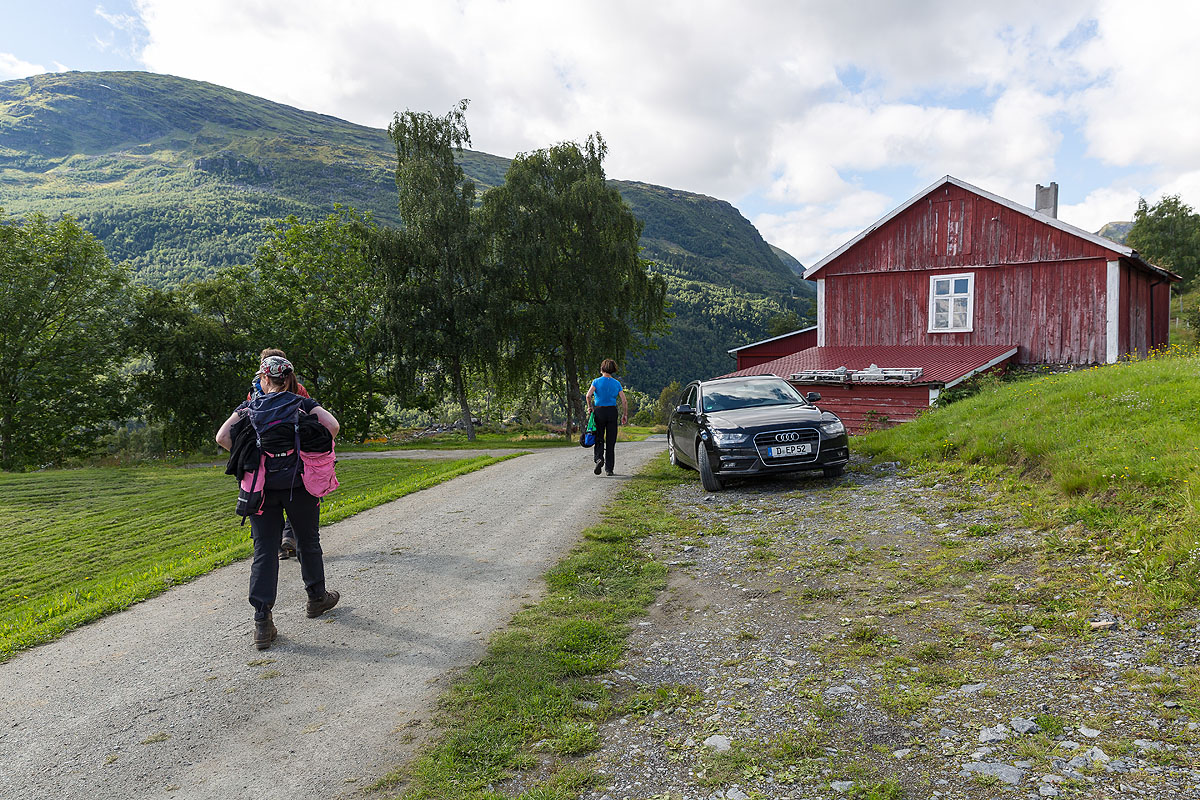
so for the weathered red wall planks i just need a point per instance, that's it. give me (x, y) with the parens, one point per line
(868, 407)
(1037, 286)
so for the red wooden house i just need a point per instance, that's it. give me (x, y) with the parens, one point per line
(959, 276)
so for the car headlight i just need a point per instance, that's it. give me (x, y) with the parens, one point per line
(729, 439)
(833, 428)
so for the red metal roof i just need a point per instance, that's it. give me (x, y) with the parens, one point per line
(940, 364)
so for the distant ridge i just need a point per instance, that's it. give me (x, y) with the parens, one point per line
(178, 177)
(1115, 231)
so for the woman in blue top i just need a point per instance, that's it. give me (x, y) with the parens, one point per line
(602, 397)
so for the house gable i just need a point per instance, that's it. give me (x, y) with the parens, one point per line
(957, 266)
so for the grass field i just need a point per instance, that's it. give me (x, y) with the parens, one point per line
(78, 544)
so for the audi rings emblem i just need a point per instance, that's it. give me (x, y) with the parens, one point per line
(787, 437)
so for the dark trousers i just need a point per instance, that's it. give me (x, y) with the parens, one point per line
(606, 435)
(304, 512)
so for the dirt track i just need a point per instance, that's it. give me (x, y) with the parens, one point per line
(170, 700)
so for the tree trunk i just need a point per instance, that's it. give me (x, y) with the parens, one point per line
(575, 403)
(460, 392)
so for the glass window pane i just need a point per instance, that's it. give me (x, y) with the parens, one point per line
(960, 285)
(960, 305)
(941, 319)
(941, 306)
(960, 319)
(941, 287)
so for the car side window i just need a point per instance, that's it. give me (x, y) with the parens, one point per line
(689, 397)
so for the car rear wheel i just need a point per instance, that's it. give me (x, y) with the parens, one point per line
(673, 452)
(833, 472)
(708, 479)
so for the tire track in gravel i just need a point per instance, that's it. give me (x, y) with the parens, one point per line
(170, 700)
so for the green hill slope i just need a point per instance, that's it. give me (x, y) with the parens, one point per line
(178, 178)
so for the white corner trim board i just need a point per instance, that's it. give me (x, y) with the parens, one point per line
(820, 312)
(1113, 311)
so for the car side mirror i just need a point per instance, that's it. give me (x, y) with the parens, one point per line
(812, 397)
(685, 409)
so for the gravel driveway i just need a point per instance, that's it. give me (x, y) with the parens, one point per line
(170, 700)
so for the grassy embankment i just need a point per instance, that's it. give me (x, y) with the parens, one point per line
(79, 544)
(1105, 461)
(1102, 461)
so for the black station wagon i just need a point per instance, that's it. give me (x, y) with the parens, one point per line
(742, 427)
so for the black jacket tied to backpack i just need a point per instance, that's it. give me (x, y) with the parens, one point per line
(244, 454)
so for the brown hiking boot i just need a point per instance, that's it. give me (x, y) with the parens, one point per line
(318, 607)
(287, 548)
(264, 632)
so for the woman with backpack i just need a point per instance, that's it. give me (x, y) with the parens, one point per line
(269, 429)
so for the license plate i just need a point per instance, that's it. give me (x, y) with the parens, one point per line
(782, 450)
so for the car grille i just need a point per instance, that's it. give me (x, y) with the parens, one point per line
(797, 436)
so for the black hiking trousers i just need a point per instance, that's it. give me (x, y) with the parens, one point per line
(304, 512)
(606, 436)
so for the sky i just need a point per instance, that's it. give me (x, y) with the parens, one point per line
(814, 118)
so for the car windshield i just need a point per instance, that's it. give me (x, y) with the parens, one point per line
(747, 394)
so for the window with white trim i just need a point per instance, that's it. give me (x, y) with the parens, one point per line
(951, 303)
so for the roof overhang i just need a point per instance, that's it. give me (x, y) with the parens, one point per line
(1119, 249)
(734, 351)
(940, 365)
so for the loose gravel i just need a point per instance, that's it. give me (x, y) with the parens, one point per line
(867, 637)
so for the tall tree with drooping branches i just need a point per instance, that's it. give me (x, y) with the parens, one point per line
(576, 290)
(437, 303)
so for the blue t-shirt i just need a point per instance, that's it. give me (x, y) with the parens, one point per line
(606, 392)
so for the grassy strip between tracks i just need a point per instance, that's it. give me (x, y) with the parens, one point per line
(78, 544)
(532, 703)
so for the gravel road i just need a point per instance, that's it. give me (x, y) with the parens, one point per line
(170, 700)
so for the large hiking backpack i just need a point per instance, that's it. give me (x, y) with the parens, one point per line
(276, 421)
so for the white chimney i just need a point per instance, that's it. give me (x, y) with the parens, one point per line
(1046, 200)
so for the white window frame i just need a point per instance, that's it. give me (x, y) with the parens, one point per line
(969, 294)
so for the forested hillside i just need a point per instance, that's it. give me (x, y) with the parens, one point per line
(179, 178)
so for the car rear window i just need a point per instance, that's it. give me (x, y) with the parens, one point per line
(730, 396)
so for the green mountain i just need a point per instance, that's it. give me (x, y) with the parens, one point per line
(1115, 231)
(789, 260)
(179, 177)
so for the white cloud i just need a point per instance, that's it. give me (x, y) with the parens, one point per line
(1108, 204)
(803, 102)
(815, 230)
(1145, 108)
(13, 67)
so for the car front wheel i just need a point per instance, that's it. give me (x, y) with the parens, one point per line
(708, 479)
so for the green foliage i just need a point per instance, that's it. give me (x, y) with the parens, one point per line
(316, 293)
(576, 290)
(668, 399)
(438, 297)
(198, 362)
(79, 544)
(62, 308)
(1168, 234)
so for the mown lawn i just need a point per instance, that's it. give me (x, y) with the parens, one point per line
(78, 544)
